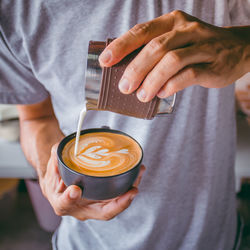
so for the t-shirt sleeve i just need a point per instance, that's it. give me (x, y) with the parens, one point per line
(239, 12)
(18, 85)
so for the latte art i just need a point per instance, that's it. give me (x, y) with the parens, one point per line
(102, 154)
(91, 153)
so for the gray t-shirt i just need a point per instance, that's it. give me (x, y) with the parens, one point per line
(187, 196)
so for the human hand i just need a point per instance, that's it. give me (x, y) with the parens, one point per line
(68, 200)
(180, 50)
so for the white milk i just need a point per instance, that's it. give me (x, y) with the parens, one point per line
(79, 127)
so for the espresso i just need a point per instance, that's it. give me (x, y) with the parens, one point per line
(102, 154)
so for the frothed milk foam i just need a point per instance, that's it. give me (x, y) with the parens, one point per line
(100, 153)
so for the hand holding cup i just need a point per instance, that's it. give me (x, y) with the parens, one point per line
(68, 200)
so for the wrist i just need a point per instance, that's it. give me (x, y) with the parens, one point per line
(242, 34)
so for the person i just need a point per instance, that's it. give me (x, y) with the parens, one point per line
(187, 194)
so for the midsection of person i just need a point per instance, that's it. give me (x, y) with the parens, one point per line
(186, 197)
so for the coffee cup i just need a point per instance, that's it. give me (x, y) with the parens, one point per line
(107, 163)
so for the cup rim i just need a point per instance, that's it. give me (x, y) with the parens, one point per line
(66, 139)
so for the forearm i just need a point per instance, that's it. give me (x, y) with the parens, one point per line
(39, 131)
(37, 138)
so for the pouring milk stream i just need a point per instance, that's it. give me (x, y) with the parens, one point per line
(102, 93)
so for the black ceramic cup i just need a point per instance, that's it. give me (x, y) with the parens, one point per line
(95, 187)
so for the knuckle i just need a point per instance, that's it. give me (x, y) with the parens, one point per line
(156, 44)
(133, 69)
(60, 207)
(152, 81)
(140, 29)
(192, 73)
(125, 205)
(196, 26)
(173, 58)
(107, 216)
(59, 211)
(161, 74)
(178, 14)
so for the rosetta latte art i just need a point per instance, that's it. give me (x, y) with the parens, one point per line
(102, 154)
(86, 156)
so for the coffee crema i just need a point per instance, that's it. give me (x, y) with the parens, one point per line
(102, 154)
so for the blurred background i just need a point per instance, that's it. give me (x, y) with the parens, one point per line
(26, 218)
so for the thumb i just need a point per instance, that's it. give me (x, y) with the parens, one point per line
(66, 202)
(117, 205)
(72, 192)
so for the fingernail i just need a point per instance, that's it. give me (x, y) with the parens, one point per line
(142, 95)
(124, 85)
(73, 194)
(106, 56)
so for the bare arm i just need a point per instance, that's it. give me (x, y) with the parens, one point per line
(40, 134)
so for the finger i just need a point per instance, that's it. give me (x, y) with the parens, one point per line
(151, 54)
(116, 206)
(73, 192)
(191, 75)
(66, 202)
(138, 179)
(61, 187)
(53, 185)
(171, 64)
(139, 35)
(53, 177)
(53, 166)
